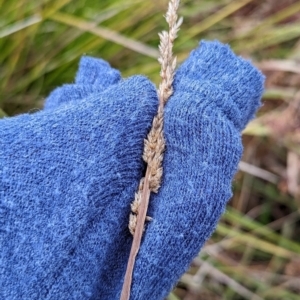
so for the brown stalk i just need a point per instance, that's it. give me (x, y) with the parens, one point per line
(154, 145)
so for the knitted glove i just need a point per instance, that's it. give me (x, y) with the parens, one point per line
(68, 176)
(215, 95)
(94, 76)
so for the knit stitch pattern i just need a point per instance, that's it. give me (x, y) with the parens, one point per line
(67, 178)
(69, 173)
(216, 93)
(94, 75)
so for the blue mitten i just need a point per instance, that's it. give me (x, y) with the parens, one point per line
(69, 173)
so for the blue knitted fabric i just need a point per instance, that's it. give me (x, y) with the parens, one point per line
(93, 76)
(69, 173)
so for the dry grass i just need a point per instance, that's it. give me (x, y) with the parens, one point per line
(154, 144)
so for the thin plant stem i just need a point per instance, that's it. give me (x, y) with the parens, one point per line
(154, 144)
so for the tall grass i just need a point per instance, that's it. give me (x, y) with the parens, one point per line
(255, 251)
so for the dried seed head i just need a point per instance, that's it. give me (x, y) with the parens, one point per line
(154, 145)
(132, 223)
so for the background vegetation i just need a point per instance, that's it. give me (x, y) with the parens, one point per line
(255, 251)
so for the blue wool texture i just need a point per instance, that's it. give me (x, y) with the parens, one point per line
(69, 173)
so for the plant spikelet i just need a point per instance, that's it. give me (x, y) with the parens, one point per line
(154, 145)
